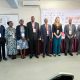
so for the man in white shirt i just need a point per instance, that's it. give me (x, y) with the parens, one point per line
(33, 36)
(70, 31)
(46, 36)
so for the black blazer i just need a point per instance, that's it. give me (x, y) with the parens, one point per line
(43, 32)
(31, 34)
(2, 31)
(18, 33)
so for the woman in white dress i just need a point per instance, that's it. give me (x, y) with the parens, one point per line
(21, 36)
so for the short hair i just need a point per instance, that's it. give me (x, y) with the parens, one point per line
(8, 22)
(21, 20)
(32, 16)
(45, 19)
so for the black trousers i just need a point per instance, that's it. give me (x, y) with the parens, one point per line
(46, 45)
(33, 45)
(68, 45)
(2, 48)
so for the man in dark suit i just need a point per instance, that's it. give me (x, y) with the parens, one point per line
(33, 36)
(46, 36)
(70, 31)
(2, 43)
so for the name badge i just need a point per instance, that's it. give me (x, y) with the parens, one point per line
(39, 38)
(18, 47)
(23, 35)
(70, 32)
(34, 30)
(57, 31)
(0, 34)
(47, 32)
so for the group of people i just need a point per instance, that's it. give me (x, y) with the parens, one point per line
(27, 36)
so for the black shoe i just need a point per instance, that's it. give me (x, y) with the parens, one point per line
(37, 56)
(65, 54)
(30, 56)
(77, 54)
(43, 56)
(59, 55)
(48, 55)
(5, 59)
(70, 54)
(13, 57)
(0, 59)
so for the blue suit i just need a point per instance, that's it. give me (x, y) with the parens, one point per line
(46, 37)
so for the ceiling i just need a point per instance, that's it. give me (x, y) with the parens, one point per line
(17, 3)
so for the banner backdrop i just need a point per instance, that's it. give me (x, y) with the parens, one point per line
(63, 14)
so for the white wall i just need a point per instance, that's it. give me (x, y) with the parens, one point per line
(60, 4)
(23, 12)
(27, 11)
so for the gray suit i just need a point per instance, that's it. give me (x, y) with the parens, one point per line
(69, 37)
(45, 38)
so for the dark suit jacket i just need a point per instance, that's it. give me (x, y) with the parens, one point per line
(31, 34)
(18, 33)
(66, 30)
(2, 31)
(43, 31)
(78, 32)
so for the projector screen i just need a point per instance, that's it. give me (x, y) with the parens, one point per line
(63, 14)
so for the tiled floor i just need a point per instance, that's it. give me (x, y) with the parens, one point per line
(39, 69)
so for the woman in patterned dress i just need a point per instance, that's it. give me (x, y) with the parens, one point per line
(11, 40)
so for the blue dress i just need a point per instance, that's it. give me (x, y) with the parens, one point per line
(22, 44)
